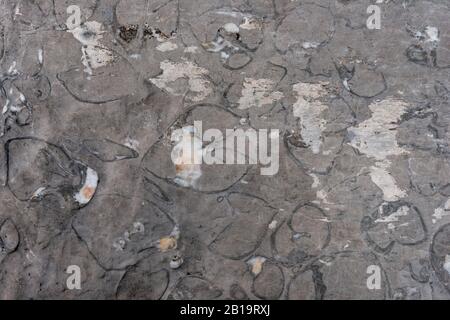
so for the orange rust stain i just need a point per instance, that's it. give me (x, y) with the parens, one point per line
(88, 192)
(181, 167)
(167, 243)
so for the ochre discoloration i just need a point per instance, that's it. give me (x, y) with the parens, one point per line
(88, 192)
(167, 244)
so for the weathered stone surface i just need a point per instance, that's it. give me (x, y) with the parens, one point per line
(98, 100)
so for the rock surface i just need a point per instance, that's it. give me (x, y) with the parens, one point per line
(90, 99)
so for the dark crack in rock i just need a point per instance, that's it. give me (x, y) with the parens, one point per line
(440, 255)
(153, 287)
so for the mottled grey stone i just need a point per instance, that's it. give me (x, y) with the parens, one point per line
(87, 179)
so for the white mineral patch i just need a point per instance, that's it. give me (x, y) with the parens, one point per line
(273, 225)
(325, 262)
(94, 54)
(40, 56)
(231, 28)
(346, 85)
(257, 93)
(167, 46)
(191, 49)
(175, 232)
(38, 193)
(6, 106)
(138, 227)
(87, 191)
(381, 176)
(447, 263)
(176, 263)
(217, 45)
(401, 212)
(119, 244)
(220, 44)
(173, 71)
(322, 195)
(310, 45)
(17, 11)
(12, 69)
(229, 13)
(135, 56)
(441, 212)
(376, 138)
(309, 109)
(15, 101)
(250, 23)
(132, 143)
(31, 256)
(224, 56)
(432, 34)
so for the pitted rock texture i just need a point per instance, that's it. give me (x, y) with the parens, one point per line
(90, 101)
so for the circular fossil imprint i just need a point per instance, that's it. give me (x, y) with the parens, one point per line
(440, 255)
